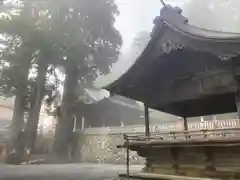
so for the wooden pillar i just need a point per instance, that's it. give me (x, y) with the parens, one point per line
(146, 113)
(185, 123)
(82, 123)
(237, 101)
(128, 159)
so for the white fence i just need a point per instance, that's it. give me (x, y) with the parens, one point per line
(174, 126)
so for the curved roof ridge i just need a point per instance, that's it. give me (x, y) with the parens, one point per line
(214, 31)
(172, 16)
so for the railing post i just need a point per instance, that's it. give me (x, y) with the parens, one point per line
(146, 114)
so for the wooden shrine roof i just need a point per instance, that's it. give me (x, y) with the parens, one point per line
(184, 70)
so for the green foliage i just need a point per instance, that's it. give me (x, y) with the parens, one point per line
(60, 34)
(88, 36)
(66, 33)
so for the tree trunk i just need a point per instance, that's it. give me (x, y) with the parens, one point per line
(15, 149)
(33, 118)
(65, 120)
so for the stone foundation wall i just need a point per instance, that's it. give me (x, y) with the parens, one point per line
(102, 148)
(99, 145)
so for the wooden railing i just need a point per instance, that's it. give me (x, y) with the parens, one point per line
(204, 134)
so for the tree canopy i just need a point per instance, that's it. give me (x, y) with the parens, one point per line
(76, 37)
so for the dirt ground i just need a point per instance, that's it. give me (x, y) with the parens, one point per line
(63, 172)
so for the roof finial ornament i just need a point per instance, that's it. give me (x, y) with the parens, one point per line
(163, 3)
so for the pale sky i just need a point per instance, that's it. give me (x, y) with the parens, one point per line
(138, 15)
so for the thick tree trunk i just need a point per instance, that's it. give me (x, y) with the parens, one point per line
(33, 118)
(65, 124)
(16, 146)
(63, 137)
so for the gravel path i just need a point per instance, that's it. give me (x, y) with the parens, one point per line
(63, 172)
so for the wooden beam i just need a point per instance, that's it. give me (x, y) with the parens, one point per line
(192, 89)
(209, 74)
(146, 113)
